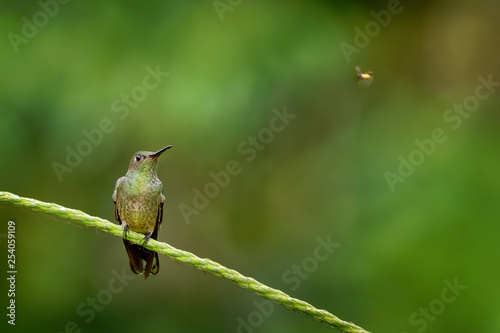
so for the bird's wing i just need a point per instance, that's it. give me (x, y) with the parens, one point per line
(117, 215)
(152, 262)
(159, 219)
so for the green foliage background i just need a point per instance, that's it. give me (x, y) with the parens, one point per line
(322, 176)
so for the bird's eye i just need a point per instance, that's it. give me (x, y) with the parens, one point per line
(138, 157)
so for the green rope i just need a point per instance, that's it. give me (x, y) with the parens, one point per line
(205, 265)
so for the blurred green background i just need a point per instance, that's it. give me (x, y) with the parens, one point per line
(322, 176)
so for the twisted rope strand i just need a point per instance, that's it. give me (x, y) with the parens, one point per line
(188, 258)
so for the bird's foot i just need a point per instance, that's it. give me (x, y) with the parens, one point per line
(146, 238)
(125, 230)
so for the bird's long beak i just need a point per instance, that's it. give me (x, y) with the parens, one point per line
(159, 152)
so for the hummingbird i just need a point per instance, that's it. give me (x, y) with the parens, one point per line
(138, 198)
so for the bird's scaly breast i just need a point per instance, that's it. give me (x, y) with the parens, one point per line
(140, 211)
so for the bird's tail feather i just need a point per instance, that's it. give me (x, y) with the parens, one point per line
(137, 255)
